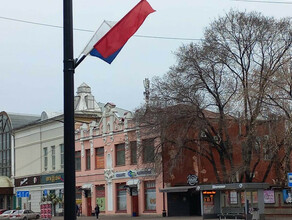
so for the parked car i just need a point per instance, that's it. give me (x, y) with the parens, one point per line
(5, 215)
(2, 210)
(24, 215)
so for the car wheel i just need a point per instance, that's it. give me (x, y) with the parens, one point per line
(25, 218)
(37, 217)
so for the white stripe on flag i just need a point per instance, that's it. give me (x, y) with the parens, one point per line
(101, 31)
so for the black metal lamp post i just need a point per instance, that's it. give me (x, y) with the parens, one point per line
(69, 135)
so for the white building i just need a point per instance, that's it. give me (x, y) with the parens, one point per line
(39, 152)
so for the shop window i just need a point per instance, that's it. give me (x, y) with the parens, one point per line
(2, 201)
(148, 150)
(233, 197)
(78, 194)
(208, 198)
(150, 195)
(269, 196)
(100, 197)
(133, 148)
(251, 196)
(120, 154)
(121, 197)
(99, 158)
(61, 197)
(77, 160)
(88, 161)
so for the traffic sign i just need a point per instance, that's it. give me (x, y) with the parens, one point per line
(22, 194)
(289, 179)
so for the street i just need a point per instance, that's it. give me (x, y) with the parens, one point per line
(147, 217)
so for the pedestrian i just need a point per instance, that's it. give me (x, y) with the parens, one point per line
(77, 210)
(96, 211)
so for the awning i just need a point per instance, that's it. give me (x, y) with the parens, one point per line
(86, 186)
(177, 189)
(133, 182)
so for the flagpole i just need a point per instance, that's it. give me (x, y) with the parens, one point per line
(69, 135)
(80, 60)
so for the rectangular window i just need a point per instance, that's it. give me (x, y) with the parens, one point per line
(133, 148)
(150, 195)
(53, 157)
(45, 158)
(120, 154)
(121, 197)
(62, 155)
(88, 161)
(148, 150)
(99, 158)
(77, 160)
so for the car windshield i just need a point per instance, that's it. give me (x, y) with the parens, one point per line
(8, 212)
(18, 212)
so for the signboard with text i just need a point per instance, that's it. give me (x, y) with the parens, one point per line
(22, 194)
(27, 181)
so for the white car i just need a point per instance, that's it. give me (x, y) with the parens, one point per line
(24, 215)
(5, 215)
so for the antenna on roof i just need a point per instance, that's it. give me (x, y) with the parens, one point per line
(146, 83)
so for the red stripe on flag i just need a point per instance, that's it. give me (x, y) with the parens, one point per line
(124, 29)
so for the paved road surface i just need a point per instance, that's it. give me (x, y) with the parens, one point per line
(126, 217)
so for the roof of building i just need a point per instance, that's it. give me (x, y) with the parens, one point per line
(20, 120)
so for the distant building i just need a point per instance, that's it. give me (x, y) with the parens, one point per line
(39, 152)
(115, 166)
(9, 122)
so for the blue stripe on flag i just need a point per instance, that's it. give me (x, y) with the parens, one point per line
(109, 59)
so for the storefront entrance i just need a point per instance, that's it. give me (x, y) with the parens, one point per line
(135, 207)
(183, 204)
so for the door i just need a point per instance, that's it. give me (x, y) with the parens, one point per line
(89, 208)
(135, 207)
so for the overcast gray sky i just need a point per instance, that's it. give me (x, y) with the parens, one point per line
(31, 64)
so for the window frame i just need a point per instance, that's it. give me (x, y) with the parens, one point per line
(78, 162)
(88, 159)
(148, 144)
(133, 150)
(53, 150)
(62, 155)
(120, 148)
(45, 158)
(145, 195)
(119, 188)
(99, 157)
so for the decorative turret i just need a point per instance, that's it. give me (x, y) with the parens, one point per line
(84, 101)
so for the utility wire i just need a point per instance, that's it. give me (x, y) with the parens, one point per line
(91, 31)
(270, 2)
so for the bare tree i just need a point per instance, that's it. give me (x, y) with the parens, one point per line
(229, 73)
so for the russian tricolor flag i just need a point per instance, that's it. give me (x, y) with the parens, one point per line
(110, 37)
